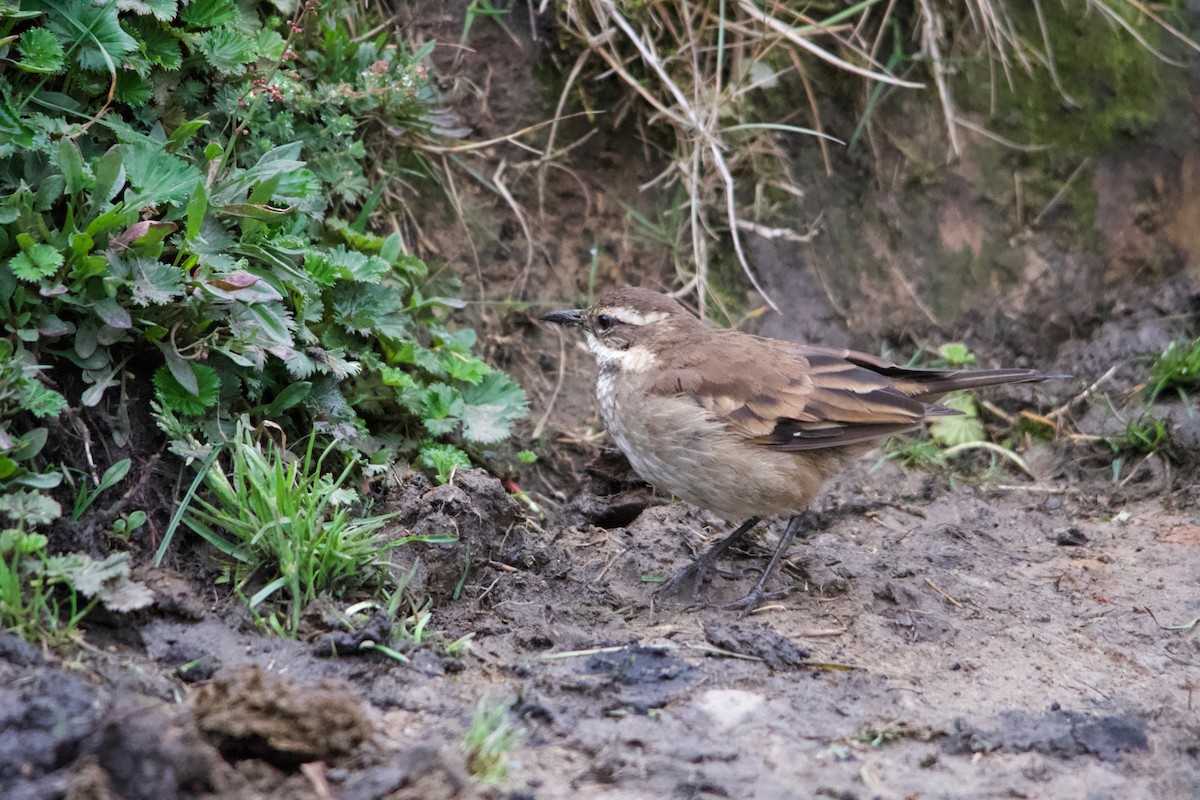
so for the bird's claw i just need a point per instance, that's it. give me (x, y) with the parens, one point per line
(697, 571)
(757, 595)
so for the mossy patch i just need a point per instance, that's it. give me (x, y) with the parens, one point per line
(1110, 85)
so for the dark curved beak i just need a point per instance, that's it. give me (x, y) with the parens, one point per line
(570, 318)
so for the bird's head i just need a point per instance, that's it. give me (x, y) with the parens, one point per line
(629, 328)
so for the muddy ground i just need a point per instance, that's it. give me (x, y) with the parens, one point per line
(973, 633)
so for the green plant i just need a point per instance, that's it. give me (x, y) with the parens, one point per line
(188, 187)
(1145, 434)
(487, 741)
(881, 734)
(961, 429)
(28, 607)
(23, 394)
(290, 521)
(42, 596)
(1178, 367)
(128, 524)
(949, 436)
(111, 477)
(914, 452)
(954, 354)
(445, 460)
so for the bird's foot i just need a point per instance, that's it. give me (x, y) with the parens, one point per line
(753, 598)
(697, 572)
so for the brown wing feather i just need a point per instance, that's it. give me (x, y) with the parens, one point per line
(803, 401)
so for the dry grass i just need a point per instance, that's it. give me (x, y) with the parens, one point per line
(691, 67)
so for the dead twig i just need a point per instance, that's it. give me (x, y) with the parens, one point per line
(1062, 191)
(1084, 395)
(949, 599)
(558, 384)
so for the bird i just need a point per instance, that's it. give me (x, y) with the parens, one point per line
(747, 426)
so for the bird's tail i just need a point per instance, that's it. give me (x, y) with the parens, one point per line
(930, 384)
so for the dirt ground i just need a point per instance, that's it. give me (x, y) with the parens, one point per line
(966, 634)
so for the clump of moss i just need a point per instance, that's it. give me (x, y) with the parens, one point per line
(1109, 84)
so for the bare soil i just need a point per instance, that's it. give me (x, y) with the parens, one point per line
(974, 634)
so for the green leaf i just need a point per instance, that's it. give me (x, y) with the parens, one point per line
(38, 480)
(101, 380)
(392, 248)
(112, 313)
(180, 368)
(159, 44)
(110, 177)
(492, 407)
(228, 50)
(32, 508)
(86, 339)
(276, 162)
(92, 31)
(30, 445)
(412, 353)
(951, 431)
(114, 475)
(40, 52)
(154, 282)
(159, 176)
(209, 13)
(956, 354)
(274, 321)
(442, 409)
(371, 310)
(350, 264)
(108, 579)
(443, 459)
(172, 394)
(463, 367)
(70, 164)
(42, 401)
(290, 397)
(132, 89)
(162, 10)
(197, 207)
(185, 133)
(36, 262)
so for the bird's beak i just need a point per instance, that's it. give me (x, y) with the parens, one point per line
(570, 318)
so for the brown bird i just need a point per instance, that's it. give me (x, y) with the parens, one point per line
(743, 425)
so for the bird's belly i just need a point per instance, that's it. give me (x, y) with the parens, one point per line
(672, 444)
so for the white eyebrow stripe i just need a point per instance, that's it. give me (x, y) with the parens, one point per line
(631, 317)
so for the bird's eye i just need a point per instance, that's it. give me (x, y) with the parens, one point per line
(605, 322)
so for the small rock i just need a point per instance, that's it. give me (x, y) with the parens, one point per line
(728, 708)
(1071, 537)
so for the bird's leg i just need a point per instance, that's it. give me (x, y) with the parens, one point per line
(700, 567)
(759, 592)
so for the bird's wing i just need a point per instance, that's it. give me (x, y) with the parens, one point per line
(784, 397)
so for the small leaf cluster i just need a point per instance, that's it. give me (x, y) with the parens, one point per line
(1178, 367)
(45, 597)
(187, 186)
